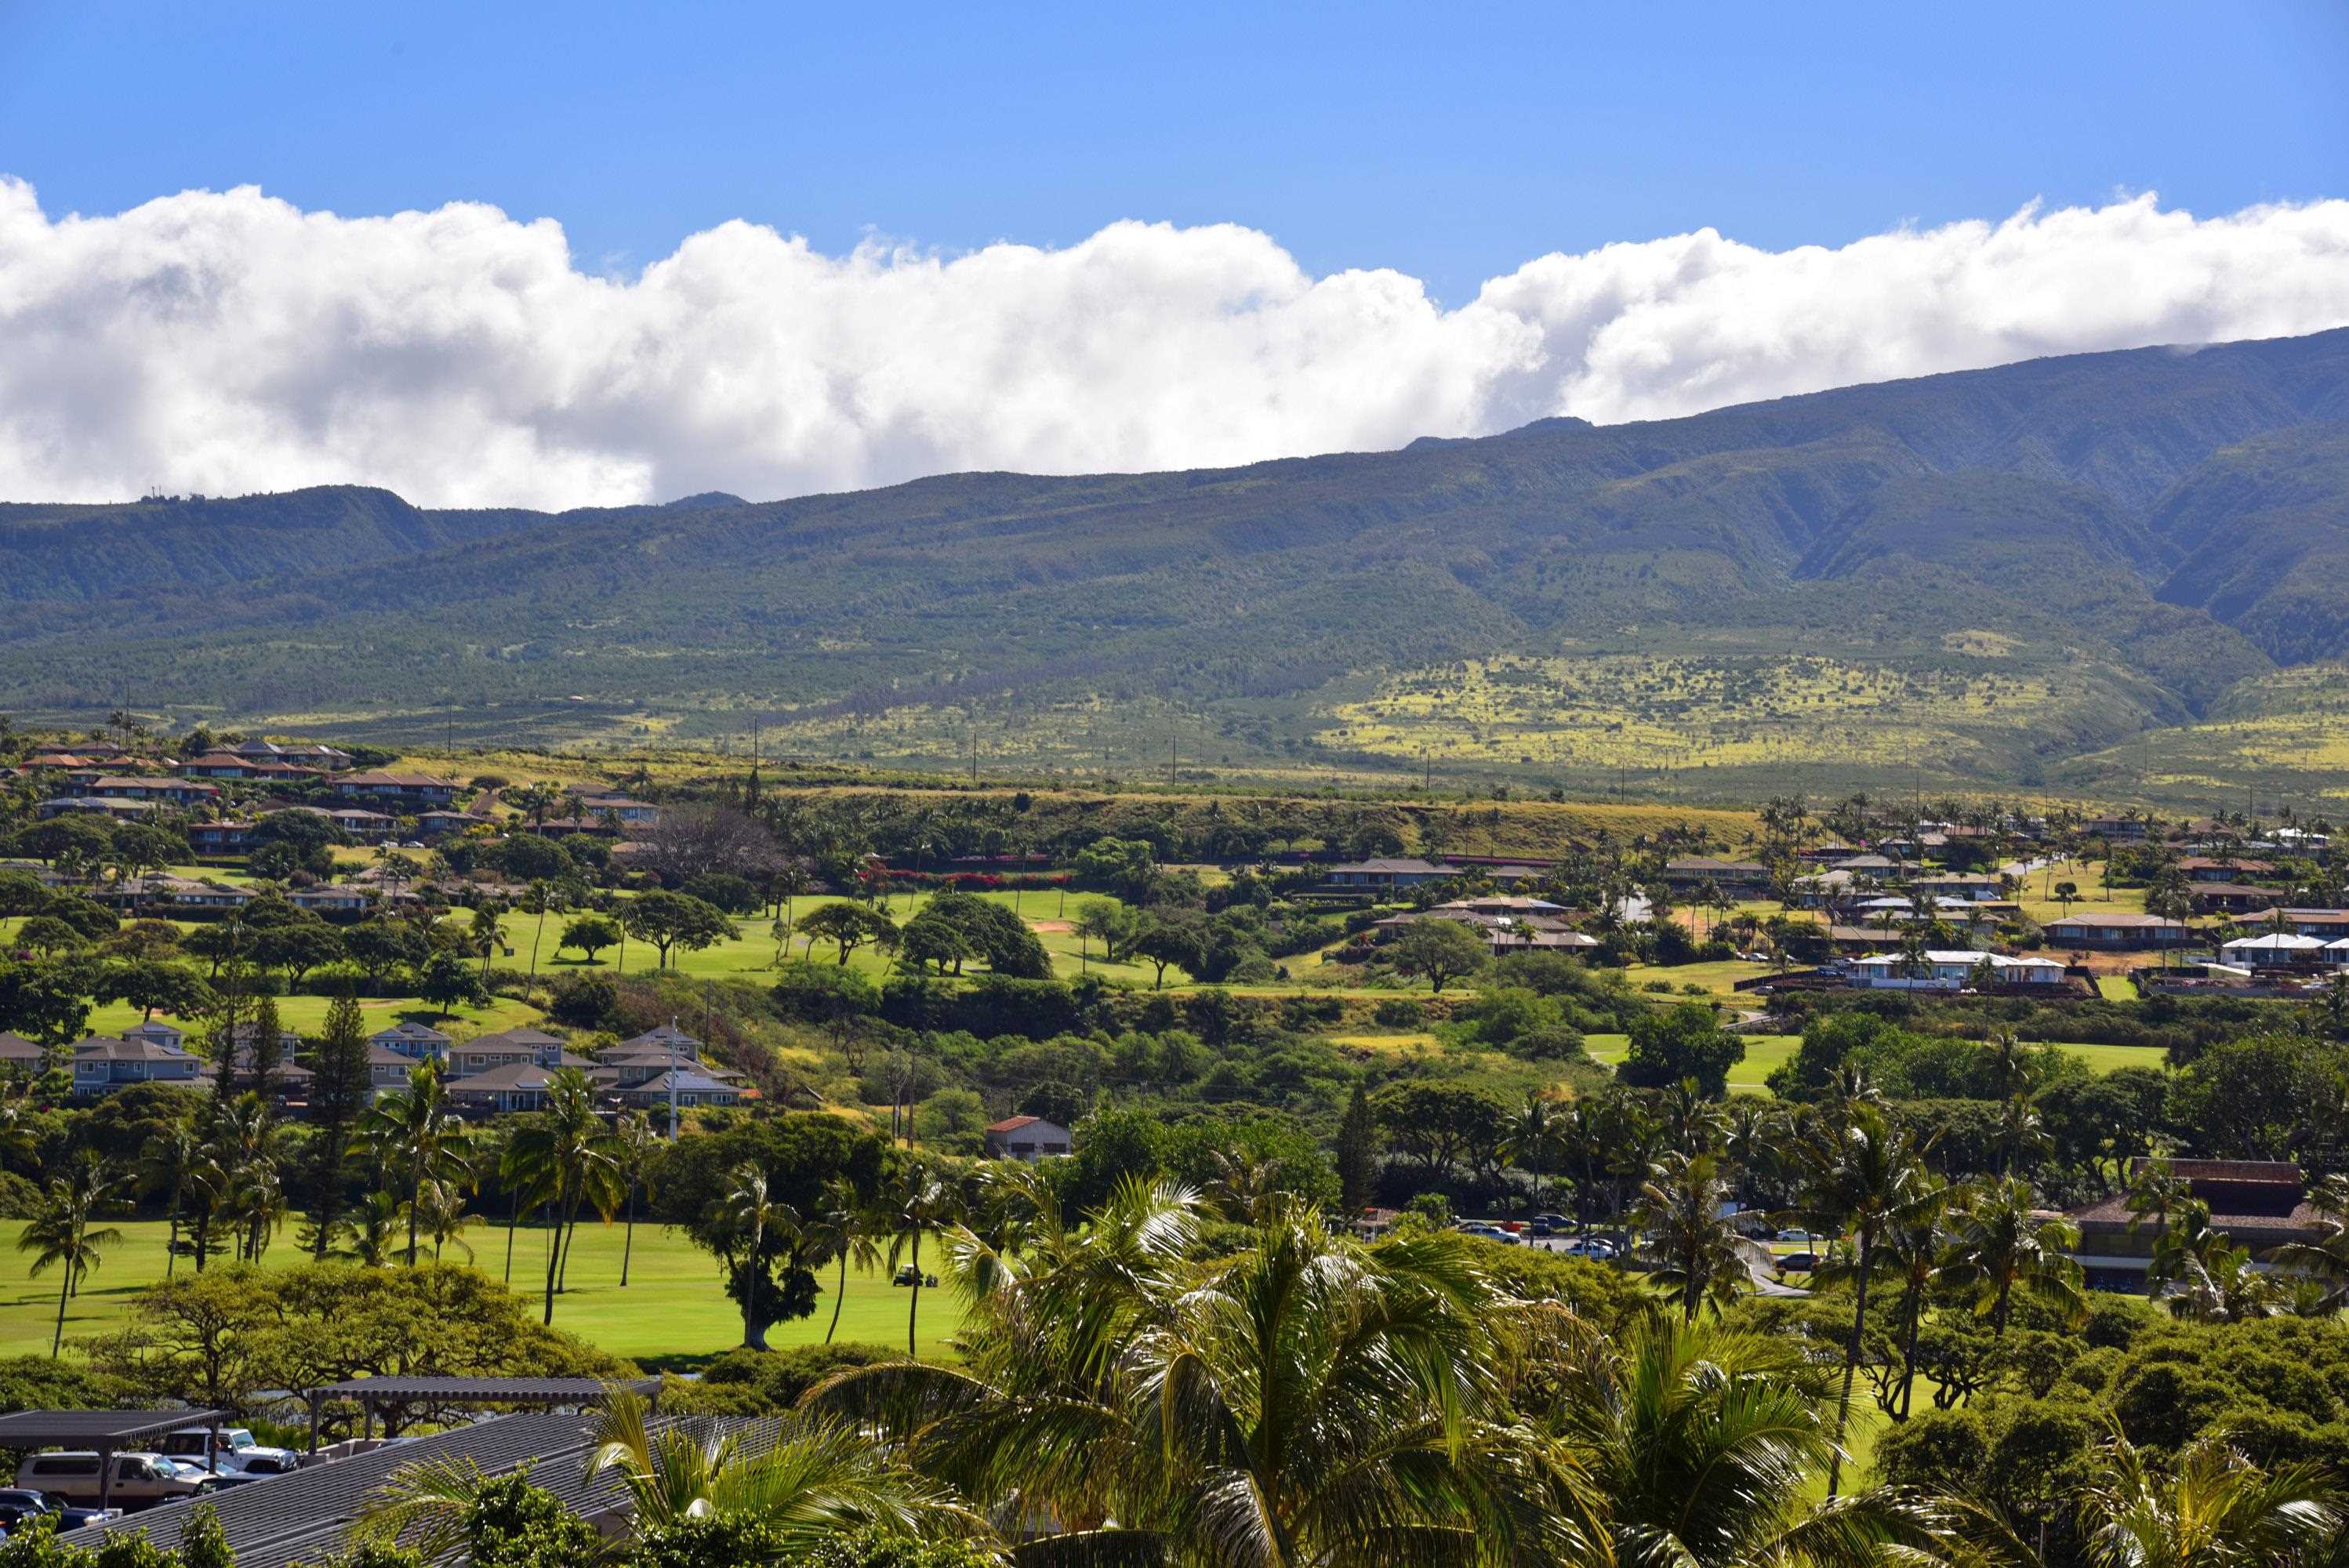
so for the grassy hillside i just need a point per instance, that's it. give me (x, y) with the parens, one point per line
(1984, 577)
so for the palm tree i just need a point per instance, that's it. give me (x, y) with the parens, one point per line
(1534, 1137)
(916, 1201)
(2212, 1507)
(60, 1234)
(568, 1154)
(413, 1130)
(2327, 1257)
(748, 1198)
(169, 1165)
(443, 1217)
(839, 1225)
(1305, 1399)
(1703, 1440)
(1695, 1249)
(369, 1231)
(638, 1148)
(810, 1480)
(1865, 1175)
(2003, 1243)
(1914, 1252)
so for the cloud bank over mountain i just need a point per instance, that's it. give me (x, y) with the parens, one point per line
(227, 342)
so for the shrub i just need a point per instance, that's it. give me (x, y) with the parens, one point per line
(1394, 1013)
(766, 1382)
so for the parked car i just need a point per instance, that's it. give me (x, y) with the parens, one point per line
(140, 1480)
(1490, 1232)
(1798, 1263)
(17, 1504)
(1597, 1248)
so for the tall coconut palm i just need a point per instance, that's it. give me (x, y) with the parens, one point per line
(915, 1204)
(2003, 1243)
(1914, 1250)
(443, 1217)
(1704, 1442)
(1534, 1139)
(750, 1198)
(368, 1232)
(166, 1165)
(1864, 1174)
(1694, 1249)
(567, 1152)
(60, 1234)
(637, 1149)
(414, 1130)
(2324, 1257)
(840, 1225)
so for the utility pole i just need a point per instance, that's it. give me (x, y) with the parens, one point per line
(1169, 760)
(974, 753)
(672, 1078)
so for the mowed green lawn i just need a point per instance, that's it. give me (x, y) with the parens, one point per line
(674, 1309)
(1763, 1053)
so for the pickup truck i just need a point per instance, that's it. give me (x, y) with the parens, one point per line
(140, 1480)
(233, 1454)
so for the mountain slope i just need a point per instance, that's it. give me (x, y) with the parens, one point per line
(2000, 569)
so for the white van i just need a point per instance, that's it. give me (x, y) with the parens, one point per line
(140, 1480)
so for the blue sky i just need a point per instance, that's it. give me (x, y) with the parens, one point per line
(1451, 142)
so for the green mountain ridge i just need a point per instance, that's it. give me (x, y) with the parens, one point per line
(2007, 568)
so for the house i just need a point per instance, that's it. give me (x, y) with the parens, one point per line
(95, 806)
(431, 825)
(2256, 1204)
(2276, 950)
(102, 1064)
(1504, 905)
(290, 1080)
(1883, 867)
(2325, 923)
(415, 1042)
(387, 1070)
(19, 1055)
(402, 789)
(1517, 937)
(2234, 898)
(2119, 932)
(618, 809)
(160, 1032)
(1949, 969)
(1378, 875)
(333, 898)
(354, 819)
(2115, 830)
(166, 791)
(1027, 1137)
(219, 838)
(2202, 869)
(1730, 876)
(1973, 886)
(327, 758)
(511, 1048)
(692, 1088)
(517, 1085)
(185, 892)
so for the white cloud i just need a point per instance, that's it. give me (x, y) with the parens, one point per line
(226, 342)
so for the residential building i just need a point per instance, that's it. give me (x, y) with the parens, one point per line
(2277, 950)
(2118, 932)
(412, 1042)
(167, 791)
(1950, 969)
(510, 1047)
(2235, 898)
(2255, 1204)
(1730, 876)
(219, 838)
(1027, 1137)
(168, 1037)
(19, 1055)
(2202, 869)
(1975, 887)
(1383, 874)
(102, 1063)
(116, 807)
(517, 1085)
(387, 1070)
(332, 898)
(405, 788)
(693, 1087)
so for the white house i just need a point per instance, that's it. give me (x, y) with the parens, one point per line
(1029, 1137)
(1947, 969)
(2278, 950)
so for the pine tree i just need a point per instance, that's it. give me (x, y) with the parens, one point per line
(268, 1046)
(338, 1094)
(1356, 1153)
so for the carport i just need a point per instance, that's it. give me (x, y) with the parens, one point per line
(110, 1433)
(516, 1393)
